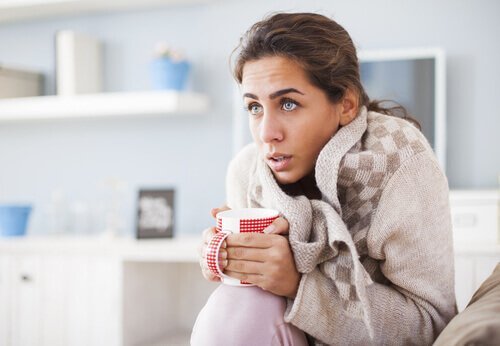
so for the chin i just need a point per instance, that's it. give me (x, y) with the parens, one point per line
(285, 178)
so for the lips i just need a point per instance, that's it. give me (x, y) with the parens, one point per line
(278, 161)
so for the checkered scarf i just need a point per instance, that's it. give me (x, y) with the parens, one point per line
(351, 172)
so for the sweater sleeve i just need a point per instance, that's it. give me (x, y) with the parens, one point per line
(411, 238)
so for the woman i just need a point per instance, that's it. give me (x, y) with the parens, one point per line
(369, 256)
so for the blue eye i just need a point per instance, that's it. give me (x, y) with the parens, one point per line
(254, 108)
(288, 105)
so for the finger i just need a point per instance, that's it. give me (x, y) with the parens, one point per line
(251, 278)
(222, 253)
(256, 240)
(214, 211)
(208, 234)
(203, 252)
(246, 253)
(246, 267)
(222, 264)
(207, 273)
(279, 226)
(201, 249)
(204, 265)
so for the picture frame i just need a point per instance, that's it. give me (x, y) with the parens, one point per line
(155, 213)
(415, 78)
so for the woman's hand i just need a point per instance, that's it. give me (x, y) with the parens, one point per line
(265, 260)
(207, 235)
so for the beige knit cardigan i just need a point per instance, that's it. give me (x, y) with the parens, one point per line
(375, 252)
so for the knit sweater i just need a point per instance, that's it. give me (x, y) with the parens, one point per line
(375, 252)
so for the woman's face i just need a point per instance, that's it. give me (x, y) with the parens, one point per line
(291, 119)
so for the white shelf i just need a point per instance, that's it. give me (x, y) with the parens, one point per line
(12, 10)
(180, 249)
(102, 105)
(176, 250)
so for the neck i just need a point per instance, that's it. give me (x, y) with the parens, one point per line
(306, 186)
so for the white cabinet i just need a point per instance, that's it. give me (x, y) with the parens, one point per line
(473, 265)
(477, 239)
(80, 292)
(92, 295)
(55, 300)
(475, 216)
(5, 306)
(104, 289)
(464, 284)
(26, 301)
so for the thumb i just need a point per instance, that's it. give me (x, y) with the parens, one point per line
(279, 226)
(214, 211)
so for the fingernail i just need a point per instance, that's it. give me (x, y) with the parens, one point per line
(222, 255)
(223, 264)
(270, 229)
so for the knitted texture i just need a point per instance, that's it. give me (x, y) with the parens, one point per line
(339, 250)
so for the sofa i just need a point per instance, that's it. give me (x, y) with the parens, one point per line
(479, 322)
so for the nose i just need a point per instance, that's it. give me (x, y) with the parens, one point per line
(270, 129)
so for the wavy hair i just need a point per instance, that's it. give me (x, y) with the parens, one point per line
(321, 46)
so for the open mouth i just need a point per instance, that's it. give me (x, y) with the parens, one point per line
(279, 163)
(280, 158)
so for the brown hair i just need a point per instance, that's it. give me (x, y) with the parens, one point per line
(321, 46)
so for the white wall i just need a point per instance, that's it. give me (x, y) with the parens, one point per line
(191, 153)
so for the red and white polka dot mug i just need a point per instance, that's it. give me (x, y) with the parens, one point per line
(246, 220)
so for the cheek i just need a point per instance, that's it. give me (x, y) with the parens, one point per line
(311, 150)
(314, 138)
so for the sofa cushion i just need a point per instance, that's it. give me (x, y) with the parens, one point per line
(479, 323)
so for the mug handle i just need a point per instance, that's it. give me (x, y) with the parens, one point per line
(212, 253)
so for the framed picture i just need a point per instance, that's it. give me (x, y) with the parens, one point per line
(155, 213)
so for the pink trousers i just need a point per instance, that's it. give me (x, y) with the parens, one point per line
(244, 316)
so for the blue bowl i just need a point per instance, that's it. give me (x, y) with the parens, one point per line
(169, 75)
(14, 219)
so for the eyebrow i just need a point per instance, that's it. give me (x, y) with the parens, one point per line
(275, 94)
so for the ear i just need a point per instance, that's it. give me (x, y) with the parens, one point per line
(349, 107)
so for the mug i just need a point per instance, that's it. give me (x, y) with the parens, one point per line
(246, 220)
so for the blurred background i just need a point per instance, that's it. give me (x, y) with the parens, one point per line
(80, 164)
(81, 160)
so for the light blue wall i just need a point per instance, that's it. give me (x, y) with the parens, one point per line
(191, 153)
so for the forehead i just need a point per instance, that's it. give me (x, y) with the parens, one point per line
(269, 74)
